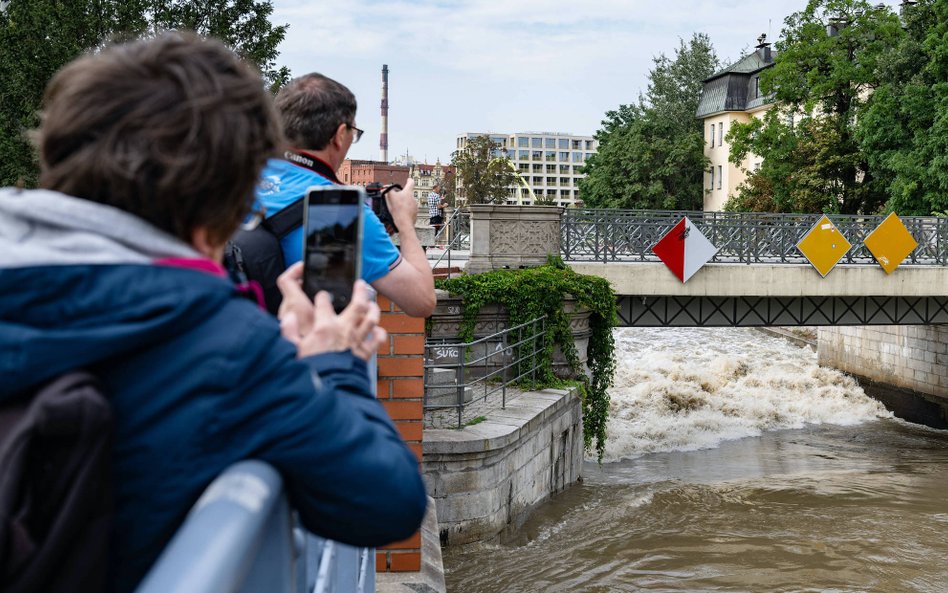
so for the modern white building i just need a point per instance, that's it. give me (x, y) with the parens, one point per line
(549, 163)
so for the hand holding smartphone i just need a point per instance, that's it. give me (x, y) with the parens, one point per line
(332, 239)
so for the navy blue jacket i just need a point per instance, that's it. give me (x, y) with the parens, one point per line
(198, 378)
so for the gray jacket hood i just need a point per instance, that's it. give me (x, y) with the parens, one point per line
(42, 227)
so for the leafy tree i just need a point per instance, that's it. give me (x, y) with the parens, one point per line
(904, 128)
(651, 154)
(243, 25)
(820, 83)
(484, 171)
(38, 37)
(448, 191)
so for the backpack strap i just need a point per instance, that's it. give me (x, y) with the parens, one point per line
(286, 220)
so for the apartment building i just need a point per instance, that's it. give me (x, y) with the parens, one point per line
(731, 95)
(426, 176)
(548, 163)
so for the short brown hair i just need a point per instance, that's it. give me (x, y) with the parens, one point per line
(312, 107)
(174, 130)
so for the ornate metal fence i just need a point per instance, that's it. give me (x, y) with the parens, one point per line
(608, 235)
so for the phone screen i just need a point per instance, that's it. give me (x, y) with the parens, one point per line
(331, 249)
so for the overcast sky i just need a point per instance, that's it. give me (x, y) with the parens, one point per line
(502, 65)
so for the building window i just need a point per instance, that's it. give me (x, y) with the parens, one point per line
(551, 168)
(720, 176)
(550, 143)
(564, 144)
(589, 145)
(523, 142)
(721, 134)
(712, 135)
(756, 86)
(538, 155)
(711, 186)
(564, 156)
(577, 157)
(577, 144)
(524, 155)
(536, 142)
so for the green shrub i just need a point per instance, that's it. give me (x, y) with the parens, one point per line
(534, 292)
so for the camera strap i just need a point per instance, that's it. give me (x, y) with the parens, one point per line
(316, 165)
(290, 218)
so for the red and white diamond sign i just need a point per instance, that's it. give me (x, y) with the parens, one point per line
(684, 249)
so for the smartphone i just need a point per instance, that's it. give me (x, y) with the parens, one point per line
(332, 239)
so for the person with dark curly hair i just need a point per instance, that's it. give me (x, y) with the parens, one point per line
(149, 154)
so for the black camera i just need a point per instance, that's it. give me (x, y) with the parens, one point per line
(375, 192)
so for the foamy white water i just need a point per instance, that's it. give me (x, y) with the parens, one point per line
(683, 389)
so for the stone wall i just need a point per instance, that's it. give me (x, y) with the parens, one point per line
(512, 236)
(445, 325)
(895, 362)
(489, 475)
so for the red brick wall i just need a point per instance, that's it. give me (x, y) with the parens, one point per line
(400, 389)
(354, 172)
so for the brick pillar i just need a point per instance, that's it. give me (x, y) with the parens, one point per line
(400, 389)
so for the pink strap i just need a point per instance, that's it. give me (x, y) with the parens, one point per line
(251, 288)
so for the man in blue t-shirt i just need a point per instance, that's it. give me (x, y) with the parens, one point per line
(318, 116)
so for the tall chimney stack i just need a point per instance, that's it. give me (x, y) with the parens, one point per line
(383, 137)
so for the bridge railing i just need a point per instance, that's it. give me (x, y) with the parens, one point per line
(241, 537)
(611, 235)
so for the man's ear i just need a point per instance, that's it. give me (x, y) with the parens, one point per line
(339, 138)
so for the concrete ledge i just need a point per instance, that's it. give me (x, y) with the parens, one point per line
(502, 428)
(771, 280)
(490, 475)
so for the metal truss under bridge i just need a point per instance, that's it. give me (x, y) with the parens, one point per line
(749, 311)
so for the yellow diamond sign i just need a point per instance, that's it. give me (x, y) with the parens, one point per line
(890, 243)
(824, 245)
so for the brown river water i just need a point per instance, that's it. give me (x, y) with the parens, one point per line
(736, 464)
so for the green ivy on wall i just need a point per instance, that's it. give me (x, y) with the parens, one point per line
(534, 292)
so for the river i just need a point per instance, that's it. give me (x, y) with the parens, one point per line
(735, 463)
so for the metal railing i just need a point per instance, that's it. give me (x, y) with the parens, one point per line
(609, 235)
(455, 235)
(241, 537)
(459, 374)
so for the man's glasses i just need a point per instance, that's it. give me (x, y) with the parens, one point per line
(358, 133)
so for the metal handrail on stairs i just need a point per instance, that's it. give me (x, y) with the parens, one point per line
(458, 228)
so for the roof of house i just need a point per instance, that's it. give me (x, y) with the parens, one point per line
(735, 88)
